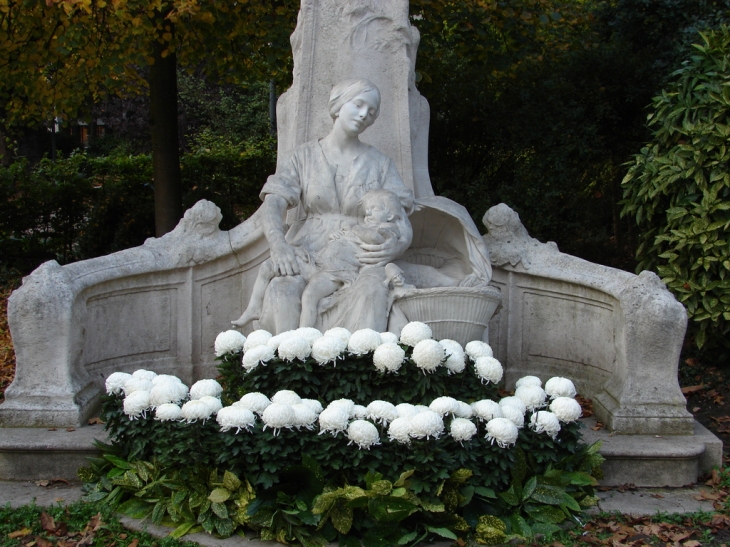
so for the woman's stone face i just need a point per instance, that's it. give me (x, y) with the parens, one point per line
(358, 114)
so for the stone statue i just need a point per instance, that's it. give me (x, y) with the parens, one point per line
(333, 256)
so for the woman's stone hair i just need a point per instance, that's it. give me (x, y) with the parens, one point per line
(347, 90)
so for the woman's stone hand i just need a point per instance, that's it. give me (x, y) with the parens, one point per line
(379, 255)
(283, 258)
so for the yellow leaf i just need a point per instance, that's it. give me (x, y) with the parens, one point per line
(167, 36)
(137, 21)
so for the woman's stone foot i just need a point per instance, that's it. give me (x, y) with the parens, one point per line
(244, 320)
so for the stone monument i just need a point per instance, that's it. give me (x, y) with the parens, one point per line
(160, 306)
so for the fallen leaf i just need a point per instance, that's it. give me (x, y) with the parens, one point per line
(692, 543)
(657, 496)
(47, 523)
(20, 533)
(597, 427)
(122, 536)
(693, 389)
(70, 429)
(133, 543)
(51, 429)
(704, 495)
(43, 482)
(95, 421)
(42, 542)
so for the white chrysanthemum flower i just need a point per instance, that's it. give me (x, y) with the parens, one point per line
(528, 381)
(388, 338)
(545, 422)
(136, 403)
(235, 416)
(382, 412)
(400, 430)
(427, 424)
(259, 337)
(566, 409)
(208, 387)
(326, 349)
(462, 429)
(165, 379)
(286, 397)
(388, 357)
(167, 392)
(456, 359)
(144, 374)
(304, 415)
(488, 369)
(486, 410)
(406, 410)
(503, 431)
(333, 420)
(310, 334)
(230, 341)
(513, 414)
(195, 410)
(257, 355)
(464, 411)
(414, 332)
(294, 347)
(532, 396)
(422, 408)
(214, 403)
(363, 341)
(444, 405)
(274, 341)
(513, 401)
(168, 412)
(315, 405)
(428, 355)
(339, 332)
(254, 401)
(363, 434)
(346, 404)
(115, 382)
(360, 412)
(137, 384)
(476, 349)
(560, 387)
(278, 416)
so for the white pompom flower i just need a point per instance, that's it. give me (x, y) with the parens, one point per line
(533, 396)
(381, 412)
(278, 416)
(115, 382)
(513, 401)
(235, 417)
(167, 392)
(326, 349)
(400, 430)
(360, 412)
(476, 349)
(168, 412)
(195, 410)
(422, 408)
(427, 424)
(486, 410)
(137, 384)
(255, 402)
(346, 404)
(286, 397)
(314, 404)
(566, 409)
(257, 338)
(304, 415)
(428, 355)
(456, 359)
(214, 403)
(333, 420)
(388, 338)
(503, 431)
(363, 434)
(528, 381)
(274, 341)
(388, 357)
(406, 410)
(545, 422)
(513, 414)
(462, 429)
(363, 341)
(444, 405)
(339, 332)
(488, 369)
(136, 403)
(144, 374)
(464, 411)
(310, 334)
(294, 347)
(208, 387)
(560, 387)
(415, 332)
(256, 356)
(166, 379)
(230, 341)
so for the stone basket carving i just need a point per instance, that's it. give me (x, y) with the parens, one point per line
(457, 313)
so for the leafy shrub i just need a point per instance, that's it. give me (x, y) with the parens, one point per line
(678, 189)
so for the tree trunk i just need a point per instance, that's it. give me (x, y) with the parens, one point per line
(165, 149)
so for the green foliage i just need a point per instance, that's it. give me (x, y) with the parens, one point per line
(678, 189)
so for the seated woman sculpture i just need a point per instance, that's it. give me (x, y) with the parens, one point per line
(325, 181)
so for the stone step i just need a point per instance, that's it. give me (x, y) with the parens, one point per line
(642, 460)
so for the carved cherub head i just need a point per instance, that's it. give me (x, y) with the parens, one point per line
(380, 205)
